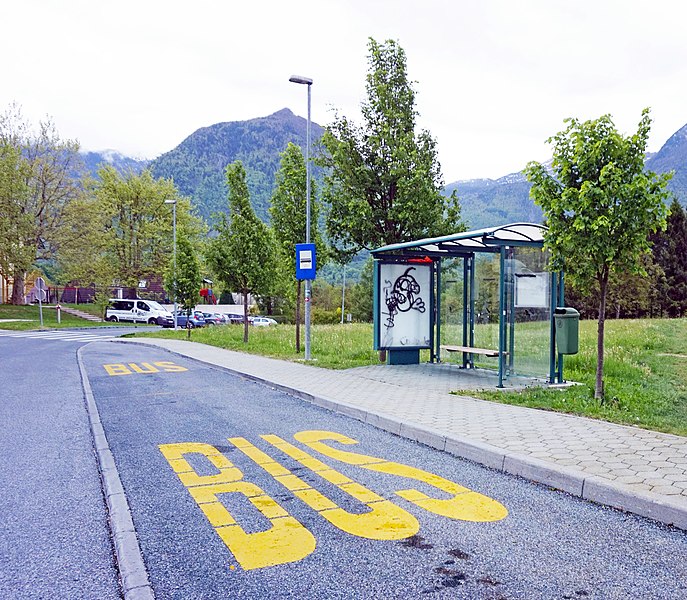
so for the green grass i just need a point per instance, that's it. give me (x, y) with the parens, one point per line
(31, 313)
(644, 384)
(333, 346)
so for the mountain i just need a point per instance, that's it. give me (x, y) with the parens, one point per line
(489, 202)
(197, 165)
(123, 164)
(673, 157)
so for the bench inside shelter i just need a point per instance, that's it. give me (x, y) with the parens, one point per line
(471, 350)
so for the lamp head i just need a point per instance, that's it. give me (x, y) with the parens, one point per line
(299, 79)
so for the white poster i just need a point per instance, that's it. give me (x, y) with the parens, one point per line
(404, 305)
(532, 290)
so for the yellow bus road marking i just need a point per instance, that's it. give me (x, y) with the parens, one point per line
(465, 504)
(287, 540)
(384, 521)
(164, 366)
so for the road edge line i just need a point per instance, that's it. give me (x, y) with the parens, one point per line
(132, 571)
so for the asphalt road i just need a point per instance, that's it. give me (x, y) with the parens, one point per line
(241, 491)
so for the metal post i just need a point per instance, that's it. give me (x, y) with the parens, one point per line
(343, 295)
(174, 235)
(306, 81)
(307, 228)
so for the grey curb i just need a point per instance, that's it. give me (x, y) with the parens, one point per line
(590, 488)
(132, 571)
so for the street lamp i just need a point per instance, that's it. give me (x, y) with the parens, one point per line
(306, 81)
(174, 228)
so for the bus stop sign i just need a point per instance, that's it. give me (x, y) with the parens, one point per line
(305, 261)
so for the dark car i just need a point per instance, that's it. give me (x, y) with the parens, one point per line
(234, 318)
(196, 319)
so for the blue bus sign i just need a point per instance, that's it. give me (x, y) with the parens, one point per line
(305, 261)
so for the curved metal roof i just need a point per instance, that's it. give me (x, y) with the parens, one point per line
(479, 240)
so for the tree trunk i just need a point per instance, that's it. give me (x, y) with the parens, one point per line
(603, 289)
(298, 317)
(18, 296)
(245, 317)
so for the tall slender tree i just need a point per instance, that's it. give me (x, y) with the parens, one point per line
(600, 206)
(242, 255)
(288, 213)
(384, 181)
(184, 282)
(670, 254)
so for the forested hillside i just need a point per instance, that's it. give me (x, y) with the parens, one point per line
(198, 164)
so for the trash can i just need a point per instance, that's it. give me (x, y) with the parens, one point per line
(567, 330)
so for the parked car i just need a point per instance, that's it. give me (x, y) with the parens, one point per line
(212, 319)
(263, 321)
(196, 319)
(138, 311)
(234, 318)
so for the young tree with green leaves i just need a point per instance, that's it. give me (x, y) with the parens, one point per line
(288, 214)
(40, 174)
(183, 283)
(242, 255)
(600, 206)
(384, 182)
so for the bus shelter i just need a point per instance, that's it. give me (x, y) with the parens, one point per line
(482, 299)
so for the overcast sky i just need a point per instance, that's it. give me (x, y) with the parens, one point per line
(494, 78)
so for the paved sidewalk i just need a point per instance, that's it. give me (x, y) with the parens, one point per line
(640, 471)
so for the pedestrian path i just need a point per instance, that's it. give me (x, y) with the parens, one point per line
(633, 469)
(58, 335)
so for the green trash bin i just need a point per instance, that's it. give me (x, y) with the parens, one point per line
(567, 330)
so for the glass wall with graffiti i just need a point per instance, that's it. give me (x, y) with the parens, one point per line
(404, 305)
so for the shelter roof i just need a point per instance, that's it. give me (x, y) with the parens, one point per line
(479, 240)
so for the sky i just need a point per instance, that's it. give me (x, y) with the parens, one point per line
(493, 78)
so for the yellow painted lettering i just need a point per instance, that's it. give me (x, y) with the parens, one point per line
(144, 368)
(169, 367)
(464, 504)
(117, 369)
(287, 540)
(384, 520)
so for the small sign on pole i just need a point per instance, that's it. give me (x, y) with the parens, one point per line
(40, 293)
(305, 261)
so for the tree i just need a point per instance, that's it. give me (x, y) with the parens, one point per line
(670, 254)
(288, 213)
(184, 282)
(41, 174)
(242, 255)
(384, 182)
(600, 206)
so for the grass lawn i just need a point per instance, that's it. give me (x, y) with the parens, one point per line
(645, 373)
(645, 376)
(30, 317)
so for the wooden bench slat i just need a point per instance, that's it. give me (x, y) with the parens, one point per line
(470, 350)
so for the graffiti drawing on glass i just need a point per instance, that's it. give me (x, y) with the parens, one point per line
(404, 305)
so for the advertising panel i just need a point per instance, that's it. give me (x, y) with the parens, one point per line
(404, 305)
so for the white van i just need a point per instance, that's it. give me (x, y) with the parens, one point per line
(138, 311)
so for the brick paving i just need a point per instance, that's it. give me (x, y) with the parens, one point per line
(626, 467)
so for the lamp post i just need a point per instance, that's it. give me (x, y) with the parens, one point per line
(174, 235)
(306, 81)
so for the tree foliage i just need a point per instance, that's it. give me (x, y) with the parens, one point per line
(184, 279)
(121, 231)
(600, 206)
(242, 255)
(41, 175)
(384, 181)
(670, 255)
(288, 213)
